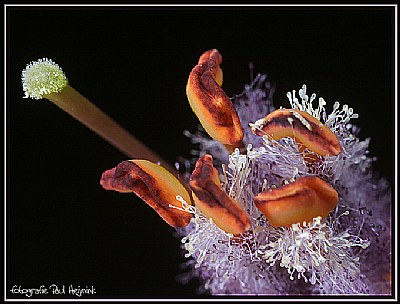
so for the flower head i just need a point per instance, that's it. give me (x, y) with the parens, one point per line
(327, 255)
(297, 210)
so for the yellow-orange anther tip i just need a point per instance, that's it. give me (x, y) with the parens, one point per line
(153, 184)
(213, 202)
(298, 202)
(304, 127)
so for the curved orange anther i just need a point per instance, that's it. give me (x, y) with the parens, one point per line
(213, 202)
(209, 102)
(302, 200)
(302, 126)
(153, 184)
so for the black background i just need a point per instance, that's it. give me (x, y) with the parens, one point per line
(133, 62)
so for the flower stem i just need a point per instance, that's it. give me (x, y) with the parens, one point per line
(79, 107)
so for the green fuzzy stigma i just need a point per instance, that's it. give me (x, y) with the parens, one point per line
(41, 78)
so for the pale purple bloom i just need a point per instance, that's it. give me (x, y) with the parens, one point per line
(347, 253)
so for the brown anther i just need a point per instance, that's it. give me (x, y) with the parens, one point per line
(153, 184)
(302, 126)
(213, 202)
(209, 102)
(302, 200)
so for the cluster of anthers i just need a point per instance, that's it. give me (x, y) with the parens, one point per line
(274, 211)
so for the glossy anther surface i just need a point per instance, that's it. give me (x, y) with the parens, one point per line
(302, 126)
(209, 102)
(213, 202)
(302, 200)
(153, 184)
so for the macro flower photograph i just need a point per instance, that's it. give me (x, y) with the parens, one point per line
(200, 152)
